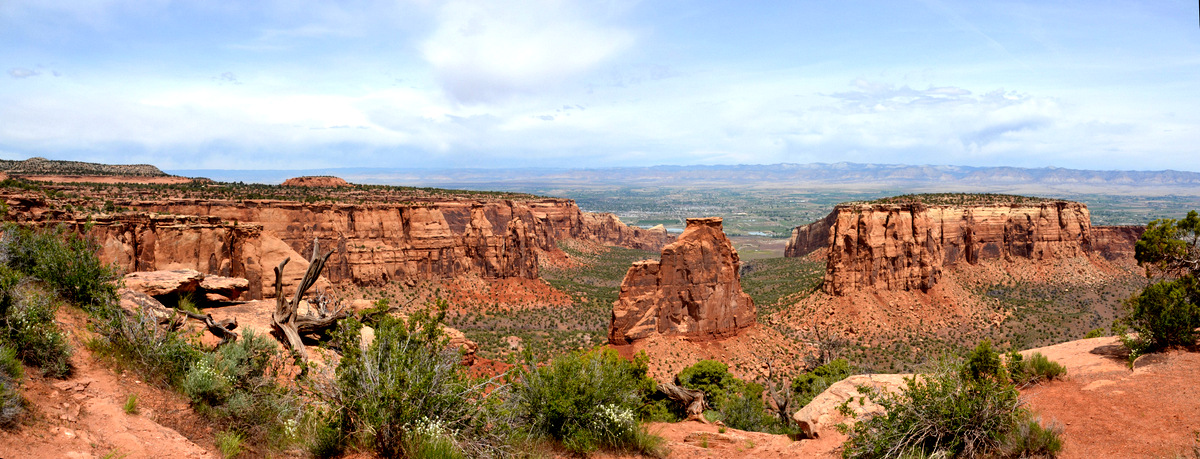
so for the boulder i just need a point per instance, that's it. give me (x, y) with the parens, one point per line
(823, 413)
(694, 290)
(221, 288)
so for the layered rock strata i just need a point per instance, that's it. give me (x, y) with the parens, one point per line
(375, 242)
(378, 243)
(149, 242)
(906, 246)
(693, 290)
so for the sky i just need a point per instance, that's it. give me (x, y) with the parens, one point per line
(307, 84)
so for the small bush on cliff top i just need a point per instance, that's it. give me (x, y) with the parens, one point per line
(65, 260)
(1167, 312)
(27, 325)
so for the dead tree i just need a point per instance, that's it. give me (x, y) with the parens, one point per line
(781, 394)
(692, 399)
(287, 320)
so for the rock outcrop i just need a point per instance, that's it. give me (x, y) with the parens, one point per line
(183, 282)
(694, 290)
(316, 181)
(905, 246)
(808, 238)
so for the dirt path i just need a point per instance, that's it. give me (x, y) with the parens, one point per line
(1109, 411)
(84, 416)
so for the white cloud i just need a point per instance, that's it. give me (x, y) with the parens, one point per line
(21, 72)
(483, 51)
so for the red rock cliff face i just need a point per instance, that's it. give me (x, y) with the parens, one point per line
(694, 290)
(906, 246)
(145, 242)
(1113, 242)
(807, 238)
(378, 243)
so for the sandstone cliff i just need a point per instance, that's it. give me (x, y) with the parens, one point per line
(145, 242)
(1113, 242)
(905, 246)
(376, 241)
(694, 290)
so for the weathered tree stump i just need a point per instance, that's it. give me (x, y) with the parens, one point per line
(692, 399)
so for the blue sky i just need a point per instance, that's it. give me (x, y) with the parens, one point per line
(314, 84)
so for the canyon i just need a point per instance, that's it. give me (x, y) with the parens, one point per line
(906, 245)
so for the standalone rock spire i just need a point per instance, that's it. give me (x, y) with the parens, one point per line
(695, 290)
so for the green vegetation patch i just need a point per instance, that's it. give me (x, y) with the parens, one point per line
(962, 199)
(776, 283)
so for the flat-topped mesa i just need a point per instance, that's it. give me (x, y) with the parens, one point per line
(905, 245)
(694, 290)
(316, 181)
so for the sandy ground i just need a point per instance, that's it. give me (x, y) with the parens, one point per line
(1108, 410)
(83, 416)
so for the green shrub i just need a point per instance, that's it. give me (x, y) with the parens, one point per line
(236, 386)
(407, 377)
(1096, 333)
(65, 260)
(745, 410)
(959, 408)
(1035, 369)
(12, 405)
(1030, 439)
(810, 384)
(711, 377)
(983, 363)
(229, 443)
(585, 400)
(27, 325)
(1164, 314)
(139, 343)
(131, 404)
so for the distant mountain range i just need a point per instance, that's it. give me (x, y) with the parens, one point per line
(816, 175)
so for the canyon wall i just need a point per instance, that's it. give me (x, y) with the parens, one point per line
(1114, 242)
(375, 242)
(693, 290)
(906, 246)
(808, 238)
(148, 242)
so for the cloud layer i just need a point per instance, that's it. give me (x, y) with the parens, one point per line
(186, 84)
